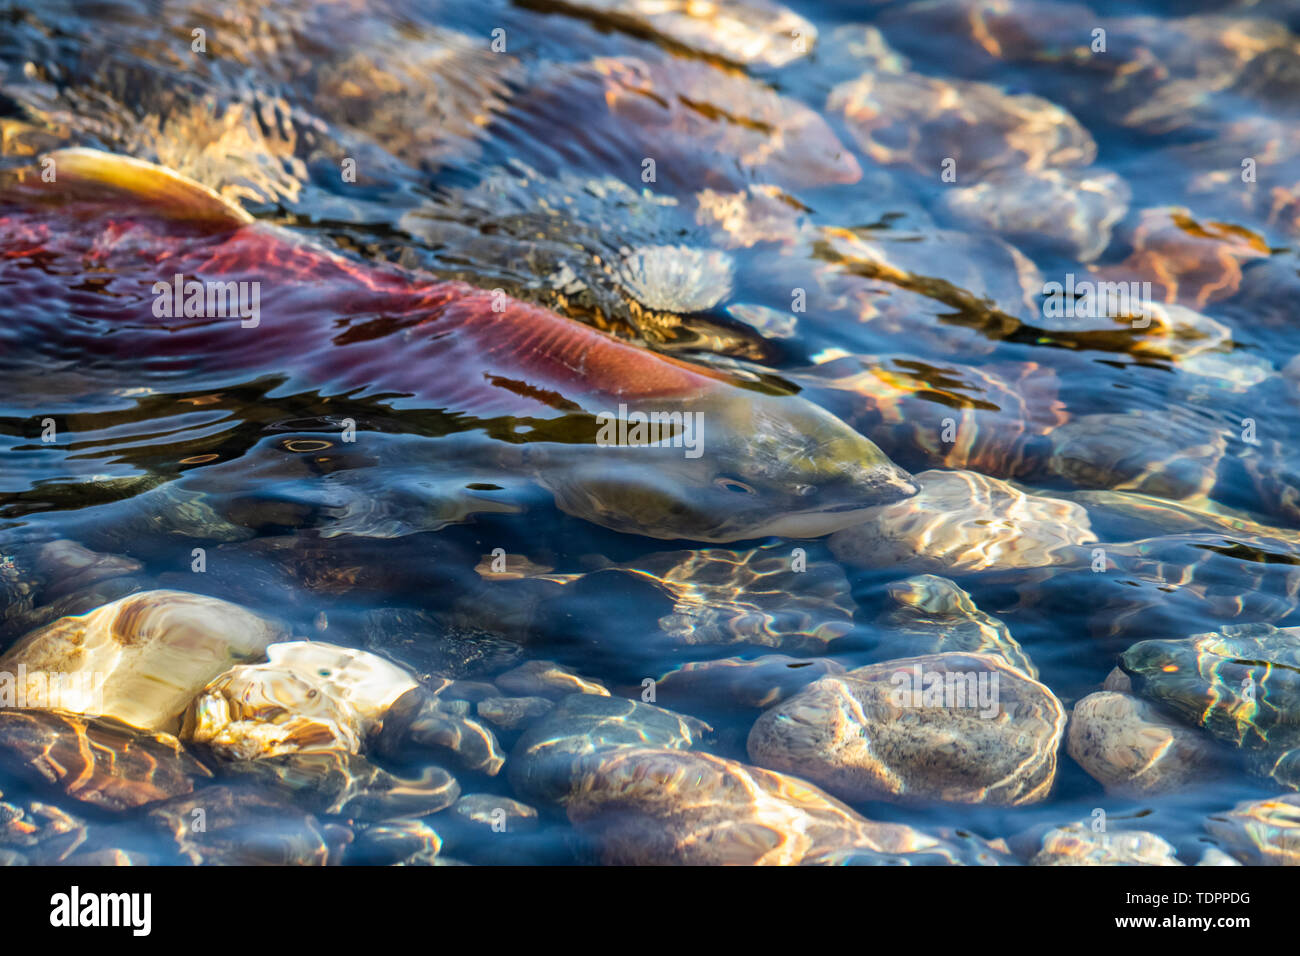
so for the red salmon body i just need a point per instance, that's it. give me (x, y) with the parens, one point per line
(87, 280)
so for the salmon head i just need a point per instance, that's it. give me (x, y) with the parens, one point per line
(731, 465)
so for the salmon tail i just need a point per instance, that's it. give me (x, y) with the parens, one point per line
(91, 174)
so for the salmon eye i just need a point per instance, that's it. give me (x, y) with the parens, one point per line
(734, 484)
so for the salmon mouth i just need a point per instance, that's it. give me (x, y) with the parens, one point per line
(897, 487)
(885, 493)
(906, 489)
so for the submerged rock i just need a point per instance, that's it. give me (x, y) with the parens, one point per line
(986, 418)
(66, 566)
(1117, 682)
(962, 521)
(644, 806)
(948, 292)
(1161, 584)
(397, 843)
(1202, 347)
(964, 728)
(300, 722)
(1162, 454)
(1079, 845)
(547, 762)
(1160, 73)
(761, 596)
(760, 213)
(932, 615)
(1130, 748)
(702, 125)
(494, 813)
(168, 511)
(489, 829)
(425, 96)
(111, 857)
(229, 826)
(1204, 167)
(1125, 514)
(39, 832)
(41, 581)
(101, 762)
(753, 684)
(769, 596)
(140, 659)
(1213, 856)
(513, 713)
(17, 588)
(1068, 210)
(1276, 478)
(1241, 684)
(846, 51)
(751, 32)
(1185, 260)
(309, 696)
(920, 121)
(345, 784)
(26, 619)
(547, 679)
(1261, 832)
(421, 724)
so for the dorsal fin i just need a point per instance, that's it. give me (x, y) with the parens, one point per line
(95, 174)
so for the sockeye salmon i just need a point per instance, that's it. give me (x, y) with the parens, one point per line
(765, 464)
